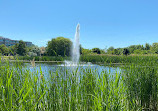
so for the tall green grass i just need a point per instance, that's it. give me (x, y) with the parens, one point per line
(98, 58)
(142, 85)
(43, 58)
(132, 89)
(119, 59)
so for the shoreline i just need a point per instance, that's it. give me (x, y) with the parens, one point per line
(35, 61)
(29, 61)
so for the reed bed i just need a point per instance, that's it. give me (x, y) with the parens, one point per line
(135, 59)
(142, 86)
(95, 58)
(43, 58)
(79, 89)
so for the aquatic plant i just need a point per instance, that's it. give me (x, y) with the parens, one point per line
(133, 88)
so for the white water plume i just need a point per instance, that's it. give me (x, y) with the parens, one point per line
(76, 46)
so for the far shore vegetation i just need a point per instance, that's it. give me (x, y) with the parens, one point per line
(59, 49)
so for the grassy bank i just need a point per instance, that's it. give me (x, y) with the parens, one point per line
(94, 58)
(135, 88)
(119, 59)
(43, 58)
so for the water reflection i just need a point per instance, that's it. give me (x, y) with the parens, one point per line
(46, 68)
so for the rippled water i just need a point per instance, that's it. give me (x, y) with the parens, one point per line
(54, 67)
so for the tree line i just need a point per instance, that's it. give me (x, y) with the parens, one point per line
(20, 49)
(61, 46)
(134, 49)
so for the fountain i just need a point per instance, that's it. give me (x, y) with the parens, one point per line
(75, 49)
(76, 46)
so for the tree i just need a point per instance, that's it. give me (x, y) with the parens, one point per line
(125, 51)
(110, 49)
(138, 51)
(4, 50)
(59, 46)
(120, 50)
(13, 49)
(96, 50)
(155, 48)
(147, 46)
(132, 48)
(115, 52)
(21, 48)
(86, 51)
(34, 51)
(42, 51)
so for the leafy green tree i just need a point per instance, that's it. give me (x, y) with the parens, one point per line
(86, 51)
(132, 48)
(125, 51)
(115, 52)
(13, 49)
(110, 49)
(155, 48)
(42, 51)
(102, 51)
(33, 51)
(138, 51)
(147, 46)
(120, 50)
(4, 50)
(96, 50)
(59, 46)
(21, 48)
(139, 47)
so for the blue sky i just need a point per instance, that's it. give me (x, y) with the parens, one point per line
(103, 23)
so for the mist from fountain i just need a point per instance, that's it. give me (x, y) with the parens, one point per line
(76, 46)
(75, 53)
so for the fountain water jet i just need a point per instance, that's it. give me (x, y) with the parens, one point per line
(75, 49)
(76, 46)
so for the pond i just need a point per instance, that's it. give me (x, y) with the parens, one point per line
(46, 68)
